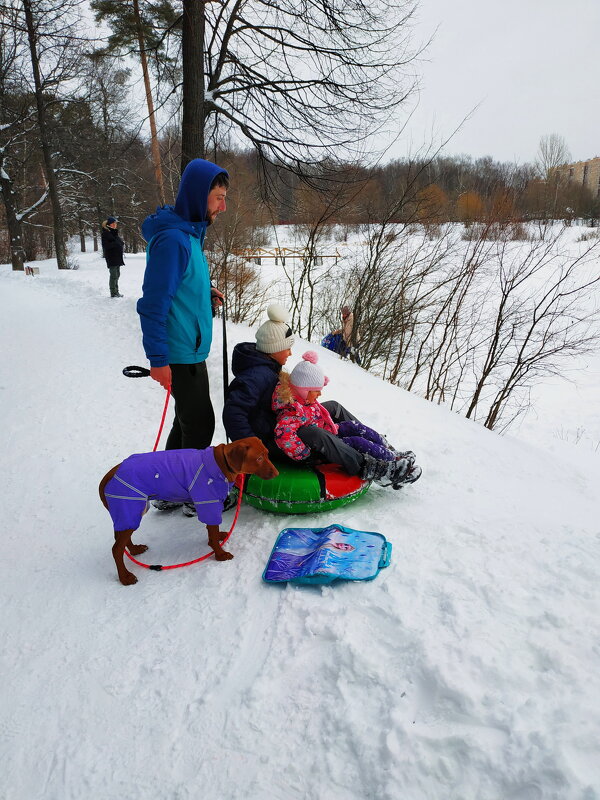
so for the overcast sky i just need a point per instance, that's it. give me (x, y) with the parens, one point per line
(531, 67)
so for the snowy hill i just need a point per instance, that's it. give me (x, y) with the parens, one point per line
(467, 670)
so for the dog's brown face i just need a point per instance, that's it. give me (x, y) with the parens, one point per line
(251, 457)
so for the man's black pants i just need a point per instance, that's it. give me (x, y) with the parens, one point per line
(194, 423)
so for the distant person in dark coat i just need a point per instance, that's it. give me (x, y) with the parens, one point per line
(112, 250)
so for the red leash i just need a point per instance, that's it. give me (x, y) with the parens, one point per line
(239, 483)
(160, 567)
(162, 422)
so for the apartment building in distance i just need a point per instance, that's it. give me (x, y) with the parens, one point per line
(584, 173)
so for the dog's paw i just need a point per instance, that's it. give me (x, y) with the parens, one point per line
(137, 549)
(128, 579)
(223, 556)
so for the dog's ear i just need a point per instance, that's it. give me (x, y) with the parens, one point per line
(237, 455)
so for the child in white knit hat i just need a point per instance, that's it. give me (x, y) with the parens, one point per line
(295, 401)
(275, 335)
(256, 367)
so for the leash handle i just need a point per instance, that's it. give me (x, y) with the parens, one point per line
(136, 372)
(162, 422)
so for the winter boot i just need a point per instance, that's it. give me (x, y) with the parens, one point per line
(165, 505)
(405, 455)
(369, 469)
(374, 469)
(413, 474)
(400, 470)
(231, 499)
(189, 509)
(388, 473)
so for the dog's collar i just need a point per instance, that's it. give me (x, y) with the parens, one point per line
(228, 465)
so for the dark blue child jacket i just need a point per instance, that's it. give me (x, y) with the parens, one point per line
(247, 410)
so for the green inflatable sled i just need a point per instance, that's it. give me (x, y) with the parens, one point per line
(304, 490)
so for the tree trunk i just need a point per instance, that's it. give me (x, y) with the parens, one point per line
(13, 223)
(59, 228)
(150, 103)
(81, 234)
(192, 128)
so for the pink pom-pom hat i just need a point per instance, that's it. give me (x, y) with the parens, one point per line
(307, 376)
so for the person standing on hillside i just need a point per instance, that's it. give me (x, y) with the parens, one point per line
(177, 298)
(112, 250)
(350, 338)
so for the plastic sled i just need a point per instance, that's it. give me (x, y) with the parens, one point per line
(323, 555)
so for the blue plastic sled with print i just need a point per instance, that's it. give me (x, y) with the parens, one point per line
(323, 555)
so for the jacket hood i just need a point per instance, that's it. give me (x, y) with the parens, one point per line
(246, 356)
(192, 197)
(165, 218)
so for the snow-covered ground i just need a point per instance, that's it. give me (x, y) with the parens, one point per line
(468, 670)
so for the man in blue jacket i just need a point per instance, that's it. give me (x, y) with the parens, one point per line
(176, 304)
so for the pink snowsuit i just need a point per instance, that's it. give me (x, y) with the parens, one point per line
(293, 415)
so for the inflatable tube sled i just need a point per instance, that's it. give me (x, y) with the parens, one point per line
(304, 490)
(323, 555)
(333, 341)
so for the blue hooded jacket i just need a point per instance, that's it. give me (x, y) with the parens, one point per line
(175, 308)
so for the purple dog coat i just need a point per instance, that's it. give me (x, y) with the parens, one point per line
(184, 476)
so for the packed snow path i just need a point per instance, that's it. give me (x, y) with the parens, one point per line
(468, 670)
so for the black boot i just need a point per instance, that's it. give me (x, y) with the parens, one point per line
(231, 499)
(375, 469)
(389, 473)
(370, 468)
(413, 474)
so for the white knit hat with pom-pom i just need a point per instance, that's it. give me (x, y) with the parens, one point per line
(275, 335)
(307, 376)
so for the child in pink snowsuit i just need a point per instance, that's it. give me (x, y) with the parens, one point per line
(295, 401)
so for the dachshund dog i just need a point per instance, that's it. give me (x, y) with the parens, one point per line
(201, 477)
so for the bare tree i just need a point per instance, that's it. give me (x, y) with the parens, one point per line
(318, 205)
(193, 141)
(140, 27)
(552, 153)
(297, 80)
(51, 33)
(471, 322)
(543, 317)
(305, 80)
(16, 122)
(149, 102)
